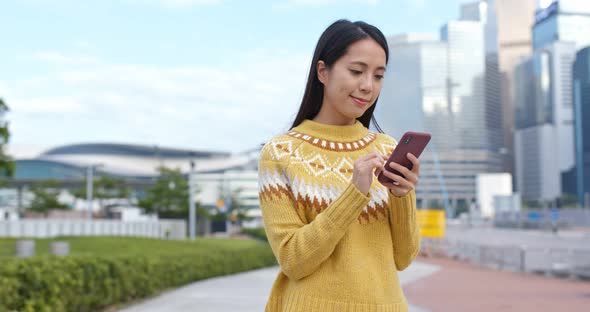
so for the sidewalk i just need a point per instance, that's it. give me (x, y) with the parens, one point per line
(460, 286)
(246, 292)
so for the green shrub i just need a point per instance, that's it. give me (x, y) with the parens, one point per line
(134, 268)
(257, 233)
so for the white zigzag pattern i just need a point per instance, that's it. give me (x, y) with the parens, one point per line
(329, 192)
(271, 178)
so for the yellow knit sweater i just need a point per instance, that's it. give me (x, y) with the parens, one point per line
(338, 249)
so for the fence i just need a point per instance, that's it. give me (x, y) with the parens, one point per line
(567, 262)
(544, 218)
(171, 229)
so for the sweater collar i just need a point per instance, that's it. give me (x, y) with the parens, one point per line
(335, 133)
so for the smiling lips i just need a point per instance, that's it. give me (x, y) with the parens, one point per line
(360, 102)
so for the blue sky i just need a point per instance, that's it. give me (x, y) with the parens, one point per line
(202, 74)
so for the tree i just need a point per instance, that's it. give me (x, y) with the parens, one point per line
(7, 165)
(45, 197)
(105, 187)
(169, 196)
(237, 211)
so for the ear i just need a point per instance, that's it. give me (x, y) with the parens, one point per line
(322, 72)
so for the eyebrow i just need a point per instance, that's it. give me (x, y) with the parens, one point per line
(365, 65)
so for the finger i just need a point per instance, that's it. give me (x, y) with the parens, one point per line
(390, 185)
(370, 155)
(403, 170)
(376, 163)
(415, 163)
(374, 155)
(388, 182)
(407, 174)
(397, 178)
(378, 171)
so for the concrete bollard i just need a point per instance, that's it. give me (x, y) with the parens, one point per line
(25, 248)
(60, 248)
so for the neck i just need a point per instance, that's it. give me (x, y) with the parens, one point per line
(338, 133)
(331, 117)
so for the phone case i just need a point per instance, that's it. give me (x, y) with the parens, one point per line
(411, 142)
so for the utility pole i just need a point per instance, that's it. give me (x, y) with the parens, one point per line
(192, 217)
(89, 188)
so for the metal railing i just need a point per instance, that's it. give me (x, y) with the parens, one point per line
(171, 229)
(565, 262)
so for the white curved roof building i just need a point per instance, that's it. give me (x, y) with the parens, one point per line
(127, 161)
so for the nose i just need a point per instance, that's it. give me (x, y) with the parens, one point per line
(366, 84)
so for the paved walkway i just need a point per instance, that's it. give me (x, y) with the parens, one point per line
(459, 286)
(242, 292)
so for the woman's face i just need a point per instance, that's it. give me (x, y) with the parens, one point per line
(353, 83)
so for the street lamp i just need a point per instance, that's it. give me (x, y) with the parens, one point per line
(192, 218)
(89, 187)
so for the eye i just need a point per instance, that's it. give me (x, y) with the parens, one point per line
(355, 72)
(379, 77)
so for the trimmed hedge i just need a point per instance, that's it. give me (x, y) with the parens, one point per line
(82, 282)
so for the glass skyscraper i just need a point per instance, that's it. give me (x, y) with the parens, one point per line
(466, 66)
(544, 142)
(581, 95)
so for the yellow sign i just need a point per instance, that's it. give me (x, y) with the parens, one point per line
(431, 222)
(220, 203)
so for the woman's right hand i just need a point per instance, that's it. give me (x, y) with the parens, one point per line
(364, 169)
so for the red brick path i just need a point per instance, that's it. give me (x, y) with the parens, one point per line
(459, 286)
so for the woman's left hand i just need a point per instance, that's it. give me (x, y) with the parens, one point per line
(401, 185)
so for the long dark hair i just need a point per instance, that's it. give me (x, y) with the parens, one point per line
(332, 45)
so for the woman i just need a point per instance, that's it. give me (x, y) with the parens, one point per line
(338, 234)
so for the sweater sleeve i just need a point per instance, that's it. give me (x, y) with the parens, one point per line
(405, 231)
(301, 248)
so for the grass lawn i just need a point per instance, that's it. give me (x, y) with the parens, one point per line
(125, 246)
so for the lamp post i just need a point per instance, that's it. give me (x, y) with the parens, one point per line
(191, 202)
(89, 188)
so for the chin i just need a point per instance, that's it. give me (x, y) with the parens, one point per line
(354, 115)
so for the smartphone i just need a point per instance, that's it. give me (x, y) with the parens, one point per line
(411, 142)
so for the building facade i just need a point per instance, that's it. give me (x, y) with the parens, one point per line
(544, 116)
(581, 96)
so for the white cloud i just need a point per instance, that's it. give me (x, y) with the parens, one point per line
(4, 91)
(195, 107)
(19, 151)
(44, 105)
(59, 58)
(82, 44)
